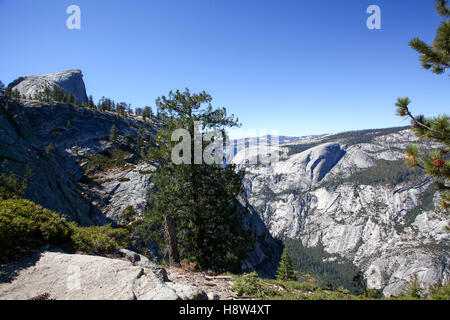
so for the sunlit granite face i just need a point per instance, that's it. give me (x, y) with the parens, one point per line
(345, 192)
(71, 81)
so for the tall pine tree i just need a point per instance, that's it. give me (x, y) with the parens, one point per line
(200, 198)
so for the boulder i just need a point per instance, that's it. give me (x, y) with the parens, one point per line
(142, 261)
(213, 296)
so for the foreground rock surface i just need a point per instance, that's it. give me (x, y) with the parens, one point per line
(84, 277)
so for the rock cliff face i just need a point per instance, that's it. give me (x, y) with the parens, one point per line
(58, 180)
(70, 81)
(71, 166)
(352, 194)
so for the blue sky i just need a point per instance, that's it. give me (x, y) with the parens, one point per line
(302, 67)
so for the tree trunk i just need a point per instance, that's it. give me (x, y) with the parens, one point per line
(174, 256)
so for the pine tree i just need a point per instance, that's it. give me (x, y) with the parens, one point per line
(100, 103)
(147, 112)
(57, 94)
(71, 99)
(8, 92)
(412, 288)
(47, 94)
(435, 162)
(128, 108)
(113, 133)
(360, 283)
(2, 87)
(199, 198)
(121, 108)
(16, 94)
(91, 103)
(285, 271)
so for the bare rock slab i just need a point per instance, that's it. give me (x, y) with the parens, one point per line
(84, 277)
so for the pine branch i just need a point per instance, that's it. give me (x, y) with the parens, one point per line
(442, 8)
(403, 110)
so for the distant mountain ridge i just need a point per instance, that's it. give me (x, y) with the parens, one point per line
(352, 195)
(235, 145)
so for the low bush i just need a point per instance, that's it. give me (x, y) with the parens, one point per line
(251, 285)
(441, 293)
(333, 295)
(98, 239)
(302, 286)
(414, 291)
(145, 172)
(106, 159)
(26, 225)
(10, 187)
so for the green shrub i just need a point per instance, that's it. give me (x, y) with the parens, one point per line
(332, 295)
(145, 172)
(98, 239)
(251, 285)
(302, 286)
(10, 187)
(441, 293)
(412, 290)
(26, 225)
(106, 159)
(128, 214)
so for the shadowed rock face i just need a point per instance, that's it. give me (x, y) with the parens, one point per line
(71, 81)
(59, 182)
(25, 132)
